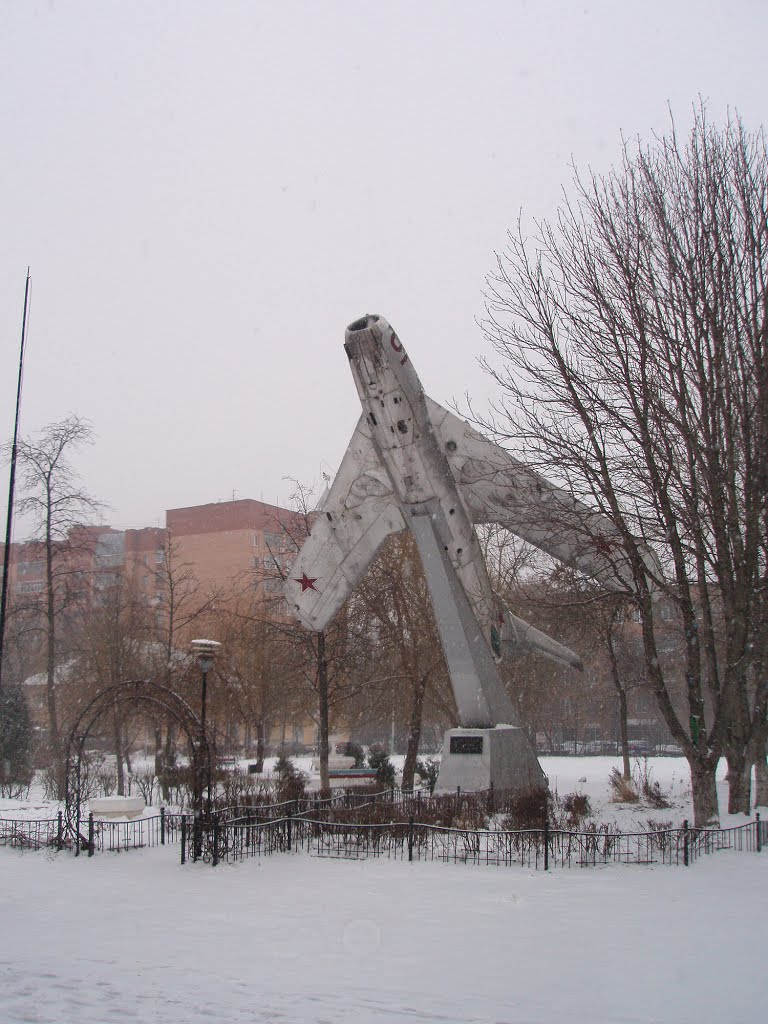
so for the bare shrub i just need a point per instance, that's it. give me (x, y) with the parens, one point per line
(526, 809)
(623, 791)
(49, 778)
(290, 781)
(469, 811)
(177, 784)
(428, 770)
(242, 789)
(102, 779)
(146, 782)
(577, 807)
(15, 790)
(651, 790)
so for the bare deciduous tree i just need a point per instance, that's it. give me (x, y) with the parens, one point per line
(408, 656)
(633, 333)
(115, 642)
(184, 604)
(56, 502)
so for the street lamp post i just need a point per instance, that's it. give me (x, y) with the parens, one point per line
(205, 651)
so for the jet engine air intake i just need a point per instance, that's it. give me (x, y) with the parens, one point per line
(362, 324)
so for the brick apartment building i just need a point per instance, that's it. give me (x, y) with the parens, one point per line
(226, 541)
(231, 547)
(223, 542)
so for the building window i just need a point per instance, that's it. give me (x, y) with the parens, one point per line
(31, 588)
(106, 580)
(256, 561)
(255, 540)
(110, 549)
(31, 568)
(159, 556)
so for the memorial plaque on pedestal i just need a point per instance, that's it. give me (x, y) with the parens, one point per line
(466, 744)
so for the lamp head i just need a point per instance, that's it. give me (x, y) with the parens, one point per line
(205, 651)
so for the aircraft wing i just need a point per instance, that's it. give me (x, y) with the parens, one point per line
(358, 514)
(497, 488)
(522, 635)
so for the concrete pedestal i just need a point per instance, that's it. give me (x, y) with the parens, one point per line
(473, 759)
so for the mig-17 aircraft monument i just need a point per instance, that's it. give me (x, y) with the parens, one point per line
(413, 465)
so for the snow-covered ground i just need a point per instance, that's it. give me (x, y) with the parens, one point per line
(137, 937)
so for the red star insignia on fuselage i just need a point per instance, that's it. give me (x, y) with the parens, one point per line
(307, 583)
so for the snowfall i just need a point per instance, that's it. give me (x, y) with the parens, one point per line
(136, 936)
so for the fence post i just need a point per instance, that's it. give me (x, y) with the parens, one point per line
(60, 831)
(546, 845)
(162, 826)
(197, 838)
(289, 830)
(77, 832)
(410, 838)
(183, 839)
(685, 842)
(757, 830)
(90, 834)
(216, 842)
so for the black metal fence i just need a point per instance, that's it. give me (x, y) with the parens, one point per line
(114, 836)
(91, 834)
(262, 809)
(298, 826)
(545, 848)
(29, 834)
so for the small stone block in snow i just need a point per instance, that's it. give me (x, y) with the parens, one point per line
(116, 806)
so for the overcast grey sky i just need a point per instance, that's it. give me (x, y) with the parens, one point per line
(208, 192)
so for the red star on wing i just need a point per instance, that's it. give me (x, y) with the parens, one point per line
(306, 582)
(603, 545)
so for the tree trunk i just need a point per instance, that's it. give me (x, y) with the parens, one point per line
(627, 770)
(414, 732)
(739, 783)
(261, 743)
(170, 743)
(622, 695)
(761, 781)
(704, 792)
(119, 752)
(322, 694)
(53, 721)
(158, 750)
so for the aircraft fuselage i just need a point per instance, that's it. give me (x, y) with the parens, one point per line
(395, 407)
